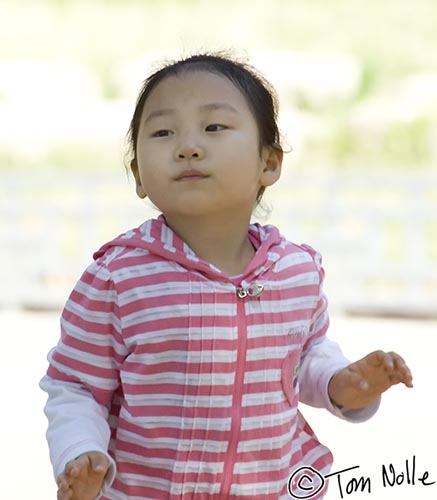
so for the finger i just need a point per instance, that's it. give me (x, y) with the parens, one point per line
(395, 379)
(74, 468)
(399, 362)
(408, 380)
(64, 495)
(391, 361)
(388, 361)
(99, 462)
(378, 358)
(64, 491)
(60, 480)
(402, 369)
(63, 484)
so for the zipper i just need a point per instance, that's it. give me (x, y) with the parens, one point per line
(254, 290)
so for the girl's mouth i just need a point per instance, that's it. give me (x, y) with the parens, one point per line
(191, 175)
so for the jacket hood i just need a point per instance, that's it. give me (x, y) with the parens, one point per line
(156, 237)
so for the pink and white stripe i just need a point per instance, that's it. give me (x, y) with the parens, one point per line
(197, 386)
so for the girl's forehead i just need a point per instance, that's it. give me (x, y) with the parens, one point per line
(195, 86)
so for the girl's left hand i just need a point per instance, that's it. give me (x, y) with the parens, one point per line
(360, 383)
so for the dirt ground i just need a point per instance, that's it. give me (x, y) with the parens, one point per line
(403, 433)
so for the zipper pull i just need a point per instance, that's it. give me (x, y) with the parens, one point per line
(254, 290)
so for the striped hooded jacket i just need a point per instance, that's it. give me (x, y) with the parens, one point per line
(188, 378)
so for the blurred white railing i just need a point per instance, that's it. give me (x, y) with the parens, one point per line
(376, 230)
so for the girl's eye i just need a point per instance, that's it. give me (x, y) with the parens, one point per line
(215, 127)
(162, 133)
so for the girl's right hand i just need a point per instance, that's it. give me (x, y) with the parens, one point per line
(83, 477)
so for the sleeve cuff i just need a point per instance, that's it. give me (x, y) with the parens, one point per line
(361, 414)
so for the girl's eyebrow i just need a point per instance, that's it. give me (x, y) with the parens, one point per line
(205, 107)
(159, 112)
(218, 105)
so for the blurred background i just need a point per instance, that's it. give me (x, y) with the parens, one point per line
(357, 84)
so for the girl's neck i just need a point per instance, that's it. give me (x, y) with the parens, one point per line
(223, 243)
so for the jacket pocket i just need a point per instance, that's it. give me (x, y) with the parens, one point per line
(289, 376)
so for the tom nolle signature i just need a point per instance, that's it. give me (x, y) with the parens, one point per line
(307, 482)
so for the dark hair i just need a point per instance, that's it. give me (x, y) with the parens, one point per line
(259, 94)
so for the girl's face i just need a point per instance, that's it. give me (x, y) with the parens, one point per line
(198, 148)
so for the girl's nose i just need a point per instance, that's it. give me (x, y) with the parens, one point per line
(189, 150)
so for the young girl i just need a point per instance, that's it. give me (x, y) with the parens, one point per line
(187, 345)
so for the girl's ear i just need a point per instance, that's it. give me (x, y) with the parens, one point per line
(141, 192)
(272, 165)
